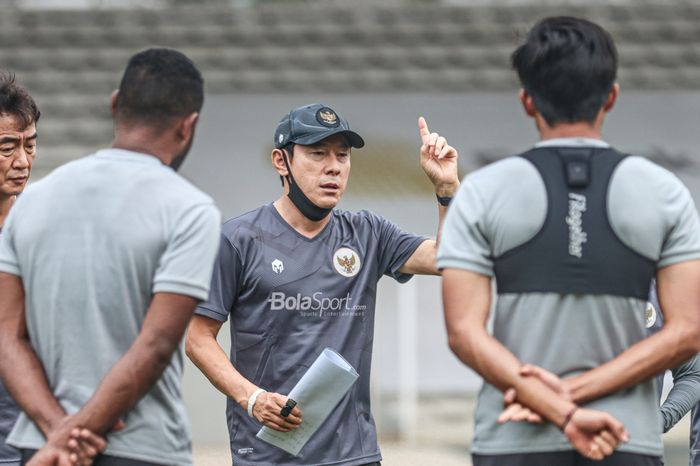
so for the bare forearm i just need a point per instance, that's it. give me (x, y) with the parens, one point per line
(142, 365)
(467, 300)
(25, 380)
(678, 340)
(498, 366)
(442, 212)
(640, 362)
(206, 353)
(424, 260)
(444, 191)
(128, 380)
(20, 367)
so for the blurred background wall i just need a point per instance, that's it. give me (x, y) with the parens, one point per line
(381, 64)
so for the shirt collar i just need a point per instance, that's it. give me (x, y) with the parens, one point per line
(573, 142)
(122, 154)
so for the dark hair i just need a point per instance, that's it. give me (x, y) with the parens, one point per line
(568, 65)
(16, 101)
(158, 86)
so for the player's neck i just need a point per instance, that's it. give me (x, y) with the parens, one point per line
(143, 141)
(575, 130)
(293, 216)
(6, 203)
(579, 129)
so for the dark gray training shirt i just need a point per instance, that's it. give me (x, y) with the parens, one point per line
(288, 298)
(685, 394)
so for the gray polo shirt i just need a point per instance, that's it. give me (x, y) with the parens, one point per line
(288, 297)
(93, 242)
(650, 211)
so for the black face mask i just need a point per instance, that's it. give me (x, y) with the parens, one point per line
(299, 199)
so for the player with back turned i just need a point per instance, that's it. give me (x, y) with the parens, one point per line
(102, 264)
(572, 248)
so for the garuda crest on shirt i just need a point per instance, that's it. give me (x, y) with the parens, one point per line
(650, 315)
(346, 262)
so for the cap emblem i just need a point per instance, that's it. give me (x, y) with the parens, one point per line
(327, 117)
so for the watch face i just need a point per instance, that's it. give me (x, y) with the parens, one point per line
(444, 201)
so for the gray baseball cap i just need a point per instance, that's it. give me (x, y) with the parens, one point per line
(310, 124)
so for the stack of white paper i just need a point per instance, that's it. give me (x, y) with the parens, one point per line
(319, 391)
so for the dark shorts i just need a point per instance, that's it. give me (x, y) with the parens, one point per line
(564, 458)
(100, 460)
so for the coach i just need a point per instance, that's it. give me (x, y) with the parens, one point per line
(296, 276)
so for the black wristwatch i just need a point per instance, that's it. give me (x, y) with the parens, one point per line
(444, 201)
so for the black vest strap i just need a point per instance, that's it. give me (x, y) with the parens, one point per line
(576, 251)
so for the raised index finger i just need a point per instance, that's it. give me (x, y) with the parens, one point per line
(423, 130)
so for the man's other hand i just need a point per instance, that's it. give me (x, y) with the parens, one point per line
(516, 412)
(595, 434)
(70, 442)
(84, 445)
(267, 411)
(49, 456)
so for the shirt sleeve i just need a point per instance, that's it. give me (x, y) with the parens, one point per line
(463, 244)
(225, 282)
(186, 264)
(9, 262)
(395, 248)
(684, 394)
(682, 241)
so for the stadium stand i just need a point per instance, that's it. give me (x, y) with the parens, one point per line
(70, 59)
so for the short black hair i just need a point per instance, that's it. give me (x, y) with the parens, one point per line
(158, 86)
(16, 101)
(568, 65)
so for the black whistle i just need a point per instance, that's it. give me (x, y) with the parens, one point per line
(288, 407)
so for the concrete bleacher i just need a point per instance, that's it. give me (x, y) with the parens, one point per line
(71, 59)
